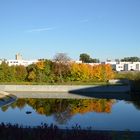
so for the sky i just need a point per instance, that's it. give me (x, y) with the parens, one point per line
(104, 29)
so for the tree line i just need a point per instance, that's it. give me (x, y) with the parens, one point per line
(131, 59)
(54, 71)
(85, 58)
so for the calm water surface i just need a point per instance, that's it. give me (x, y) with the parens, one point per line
(99, 114)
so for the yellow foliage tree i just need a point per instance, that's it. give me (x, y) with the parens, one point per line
(40, 65)
(86, 72)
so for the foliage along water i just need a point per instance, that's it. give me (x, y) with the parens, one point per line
(96, 114)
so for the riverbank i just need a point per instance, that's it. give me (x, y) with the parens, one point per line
(68, 88)
(65, 91)
(6, 98)
(16, 132)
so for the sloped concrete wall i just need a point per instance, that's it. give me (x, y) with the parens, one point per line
(65, 88)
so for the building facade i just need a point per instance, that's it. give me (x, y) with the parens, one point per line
(19, 61)
(125, 66)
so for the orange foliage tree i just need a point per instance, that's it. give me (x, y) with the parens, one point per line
(94, 105)
(86, 72)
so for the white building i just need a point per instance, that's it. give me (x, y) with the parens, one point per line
(125, 66)
(118, 67)
(132, 66)
(19, 61)
(78, 61)
(0, 61)
(18, 56)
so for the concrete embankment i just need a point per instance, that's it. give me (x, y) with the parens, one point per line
(66, 88)
(6, 98)
(62, 91)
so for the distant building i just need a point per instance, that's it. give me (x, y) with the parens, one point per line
(19, 61)
(0, 61)
(116, 65)
(78, 61)
(124, 66)
(18, 56)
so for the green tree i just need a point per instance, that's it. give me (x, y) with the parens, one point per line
(85, 58)
(48, 70)
(31, 76)
(131, 59)
(20, 73)
(31, 69)
(94, 60)
(7, 74)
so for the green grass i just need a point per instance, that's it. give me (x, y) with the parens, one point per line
(128, 75)
(58, 83)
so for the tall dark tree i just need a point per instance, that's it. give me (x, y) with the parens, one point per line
(85, 58)
(94, 60)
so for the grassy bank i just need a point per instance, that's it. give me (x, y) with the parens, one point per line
(44, 132)
(57, 83)
(134, 78)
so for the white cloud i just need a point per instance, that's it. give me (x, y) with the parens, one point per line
(40, 29)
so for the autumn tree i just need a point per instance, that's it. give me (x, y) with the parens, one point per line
(61, 58)
(31, 69)
(86, 72)
(40, 74)
(61, 66)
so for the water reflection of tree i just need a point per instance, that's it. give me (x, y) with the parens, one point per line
(135, 99)
(21, 103)
(95, 105)
(4, 108)
(63, 117)
(64, 109)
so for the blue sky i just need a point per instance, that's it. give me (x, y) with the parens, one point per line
(41, 28)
